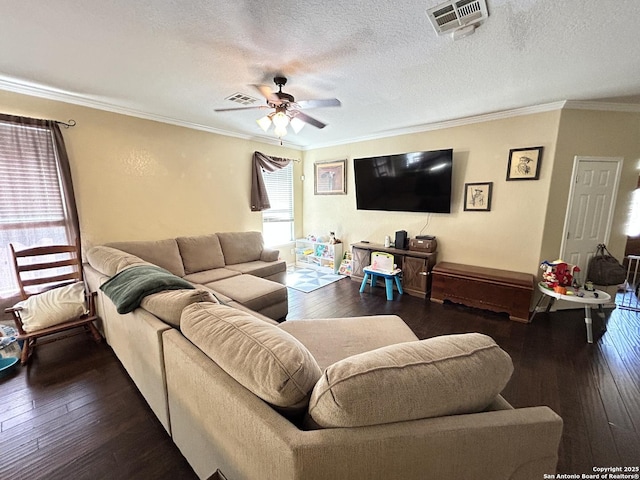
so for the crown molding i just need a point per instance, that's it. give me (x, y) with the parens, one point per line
(37, 90)
(602, 106)
(457, 122)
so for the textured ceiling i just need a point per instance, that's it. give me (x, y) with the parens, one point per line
(179, 60)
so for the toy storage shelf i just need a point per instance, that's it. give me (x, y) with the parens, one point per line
(325, 257)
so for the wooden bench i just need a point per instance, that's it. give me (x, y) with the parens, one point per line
(487, 288)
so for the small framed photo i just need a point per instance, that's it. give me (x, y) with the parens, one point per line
(477, 197)
(524, 163)
(330, 178)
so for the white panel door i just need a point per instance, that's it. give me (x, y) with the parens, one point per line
(590, 210)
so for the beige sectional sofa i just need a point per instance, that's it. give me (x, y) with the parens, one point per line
(347, 398)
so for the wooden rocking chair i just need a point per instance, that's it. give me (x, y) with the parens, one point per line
(35, 259)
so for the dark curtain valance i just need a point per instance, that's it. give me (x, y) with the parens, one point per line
(259, 197)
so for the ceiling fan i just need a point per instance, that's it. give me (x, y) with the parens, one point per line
(286, 109)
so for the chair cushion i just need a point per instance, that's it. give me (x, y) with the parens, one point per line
(52, 307)
(127, 289)
(446, 375)
(266, 360)
(200, 253)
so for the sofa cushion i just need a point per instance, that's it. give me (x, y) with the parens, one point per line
(259, 268)
(332, 339)
(241, 247)
(208, 276)
(200, 253)
(253, 292)
(163, 253)
(127, 289)
(110, 261)
(263, 358)
(440, 376)
(168, 305)
(269, 255)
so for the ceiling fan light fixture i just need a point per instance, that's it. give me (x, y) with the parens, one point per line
(280, 131)
(296, 124)
(280, 120)
(264, 122)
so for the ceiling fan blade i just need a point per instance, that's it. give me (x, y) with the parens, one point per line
(310, 120)
(266, 93)
(327, 102)
(258, 107)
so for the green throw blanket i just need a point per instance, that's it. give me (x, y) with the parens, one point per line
(127, 288)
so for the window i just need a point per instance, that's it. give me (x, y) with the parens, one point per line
(633, 227)
(277, 222)
(32, 205)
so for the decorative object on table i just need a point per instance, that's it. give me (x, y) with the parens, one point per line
(330, 178)
(423, 243)
(604, 269)
(524, 163)
(477, 196)
(558, 274)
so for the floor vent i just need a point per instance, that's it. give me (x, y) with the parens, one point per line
(451, 16)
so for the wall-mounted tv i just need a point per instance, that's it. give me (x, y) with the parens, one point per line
(408, 182)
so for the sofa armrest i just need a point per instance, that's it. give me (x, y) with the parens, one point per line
(269, 255)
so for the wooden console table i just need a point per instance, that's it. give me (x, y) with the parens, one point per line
(416, 266)
(487, 288)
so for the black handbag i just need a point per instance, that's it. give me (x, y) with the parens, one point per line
(604, 269)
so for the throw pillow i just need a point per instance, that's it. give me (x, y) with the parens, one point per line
(446, 375)
(52, 307)
(266, 360)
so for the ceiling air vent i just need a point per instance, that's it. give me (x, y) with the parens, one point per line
(242, 99)
(451, 16)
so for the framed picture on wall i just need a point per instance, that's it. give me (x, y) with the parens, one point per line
(477, 197)
(524, 163)
(330, 178)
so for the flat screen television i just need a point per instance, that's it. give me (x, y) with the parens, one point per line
(407, 182)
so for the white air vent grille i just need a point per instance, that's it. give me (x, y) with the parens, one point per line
(454, 15)
(242, 99)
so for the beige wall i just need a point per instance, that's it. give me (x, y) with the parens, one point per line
(138, 179)
(595, 134)
(508, 237)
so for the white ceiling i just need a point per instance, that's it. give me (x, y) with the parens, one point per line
(177, 61)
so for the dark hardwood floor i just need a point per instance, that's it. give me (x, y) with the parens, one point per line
(75, 414)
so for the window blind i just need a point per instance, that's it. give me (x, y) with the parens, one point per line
(279, 185)
(31, 186)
